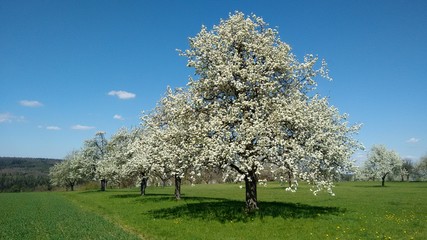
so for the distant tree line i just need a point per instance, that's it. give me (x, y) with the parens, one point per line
(25, 174)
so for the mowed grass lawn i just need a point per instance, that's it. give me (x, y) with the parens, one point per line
(360, 210)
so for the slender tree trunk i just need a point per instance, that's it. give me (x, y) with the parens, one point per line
(103, 184)
(143, 185)
(177, 187)
(383, 180)
(251, 180)
(72, 186)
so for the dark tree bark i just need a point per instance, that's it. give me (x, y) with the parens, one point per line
(290, 179)
(164, 182)
(177, 187)
(383, 179)
(143, 185)
(103, 184)
(251, 180)
(70, 185)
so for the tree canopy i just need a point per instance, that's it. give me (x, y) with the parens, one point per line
(252, 98)
(381, 162)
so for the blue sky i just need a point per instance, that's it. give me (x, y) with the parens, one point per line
(71, 68)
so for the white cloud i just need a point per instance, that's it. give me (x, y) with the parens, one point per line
(27, 103)
(413, 140)
(8, 117)
(118, 117)
(122, 94)
(53, 128)
(81, 127)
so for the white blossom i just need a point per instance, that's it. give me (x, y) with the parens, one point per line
(254, 110)
(381, 162)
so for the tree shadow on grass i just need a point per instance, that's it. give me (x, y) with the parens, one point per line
(371, 186)
(231, 210)
(155, 196)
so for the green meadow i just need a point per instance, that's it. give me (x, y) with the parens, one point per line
(359, 210)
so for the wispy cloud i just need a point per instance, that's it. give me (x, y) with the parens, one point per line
(28, 103)
(8, 117)
(53, 128)
(122, 94)
(118, 117)
(81, 127)
(413, 140)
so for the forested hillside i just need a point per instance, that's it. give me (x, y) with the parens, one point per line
(25, 174)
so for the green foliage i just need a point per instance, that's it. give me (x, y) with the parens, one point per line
(360, 210)
(32, 166)
(46, 215)
(25, 174)
(21, 182)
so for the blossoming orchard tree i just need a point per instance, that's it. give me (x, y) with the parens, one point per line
(173, 125)
(67, 173)
(381, 162)
(94, 152)
(117, 154)
(255, 108)
(421, 168)
(141, 164)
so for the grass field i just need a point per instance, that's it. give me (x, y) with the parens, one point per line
(360, 210)
(45, 215)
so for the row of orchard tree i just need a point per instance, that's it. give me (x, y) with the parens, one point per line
(252, 108)
(96, 160)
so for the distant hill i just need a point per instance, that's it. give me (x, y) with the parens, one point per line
(25, 174)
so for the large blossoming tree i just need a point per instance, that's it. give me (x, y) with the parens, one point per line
(255, 108)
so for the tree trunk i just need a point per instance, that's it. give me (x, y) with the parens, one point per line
(177, 187)
(72, 186)
(143, 185)
(251, 180)
(383, 180)
(103, 184)
(290, 179)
